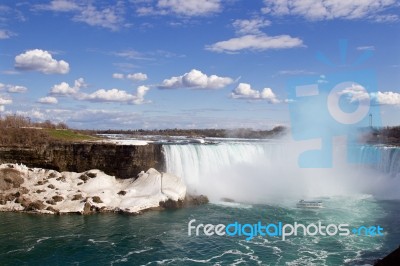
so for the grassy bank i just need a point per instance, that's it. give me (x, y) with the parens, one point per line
(68, 135)
(20, 131)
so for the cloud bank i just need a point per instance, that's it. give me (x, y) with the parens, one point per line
(332, 9)
(110, 17)
(187, 8)
(102, 95)
(357, 93)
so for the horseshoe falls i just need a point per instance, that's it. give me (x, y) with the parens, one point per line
(267, 171)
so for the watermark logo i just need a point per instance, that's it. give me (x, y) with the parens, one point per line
(323, 108)
(279, 229)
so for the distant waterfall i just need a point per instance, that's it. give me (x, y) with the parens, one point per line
(387, 158)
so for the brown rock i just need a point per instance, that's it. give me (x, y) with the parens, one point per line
(51, 202)
(51, 186)
(35, 206)
(77, 197)
(57, 198)
(18, 200)
(61, 178)
(172, 204)
(195, 200)
(41, 182)
(84, 177)
(50, 208)
(97, 199)
(10, 178)
(91, 175)
(86, 208)
(9, 197)
(52, 175)
(25, 202)
(23, 190)
(122, 193)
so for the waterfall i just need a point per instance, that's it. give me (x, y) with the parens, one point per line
(194, 161)
(244, 170)
(388, 158)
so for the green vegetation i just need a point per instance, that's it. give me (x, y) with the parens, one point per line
(68, 135)
(20, 131)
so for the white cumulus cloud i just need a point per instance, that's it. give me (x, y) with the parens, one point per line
(64, 89)
(256, 43)
(244, 91)
(137, 76)
(197, 80)
(42, 61)
(115, 95)
(387, 98)
(48, 100)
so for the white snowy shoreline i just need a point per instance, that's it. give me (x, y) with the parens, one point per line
(48, 191)
(132, 142)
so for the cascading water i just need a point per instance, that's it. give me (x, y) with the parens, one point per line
(194, 161)
(256, 171)
(387, 158)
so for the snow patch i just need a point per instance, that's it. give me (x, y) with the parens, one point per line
(67, 192)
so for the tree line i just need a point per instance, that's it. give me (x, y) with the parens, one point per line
(213, 133)
(20, 130)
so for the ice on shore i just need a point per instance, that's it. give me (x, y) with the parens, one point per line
(132, 142)
(48, 191)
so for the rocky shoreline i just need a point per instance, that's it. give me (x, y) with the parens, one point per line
(37, 190)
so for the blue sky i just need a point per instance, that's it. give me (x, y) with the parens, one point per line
(187, 64)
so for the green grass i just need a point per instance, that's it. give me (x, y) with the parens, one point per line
(68, 135)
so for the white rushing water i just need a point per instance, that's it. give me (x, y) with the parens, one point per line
(387, 158)
(260, 171)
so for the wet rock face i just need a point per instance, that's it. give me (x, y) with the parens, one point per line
(188, 201)
(122, 161)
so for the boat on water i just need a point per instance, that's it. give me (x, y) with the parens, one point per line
(309, 204)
